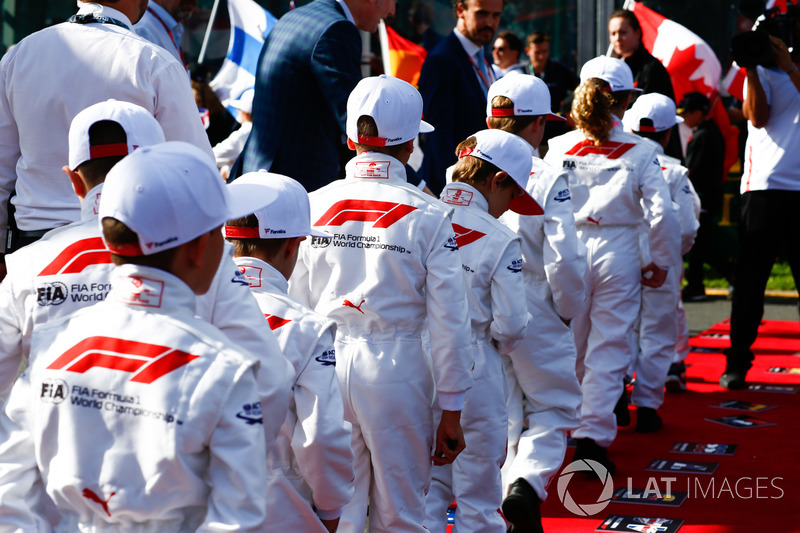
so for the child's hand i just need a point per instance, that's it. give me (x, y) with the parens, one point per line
(652, 276)
(449, 438)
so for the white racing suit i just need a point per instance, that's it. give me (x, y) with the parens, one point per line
(658, 318)
(392, 261)
(310, 468)
(606, 185)
(542, 366)
(492, 263)
(70, 268)
(134, 415)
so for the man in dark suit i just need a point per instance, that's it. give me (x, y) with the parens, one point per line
(455, 78)
(310, 62)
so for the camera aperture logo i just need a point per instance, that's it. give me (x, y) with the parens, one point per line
(585, 509)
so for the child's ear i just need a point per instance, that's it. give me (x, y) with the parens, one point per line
(292, 244)
(496, 180)
(351, 144)
(77, 183)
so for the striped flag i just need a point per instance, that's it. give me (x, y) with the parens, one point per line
(401, 58)
(692, 66)
(250, 24)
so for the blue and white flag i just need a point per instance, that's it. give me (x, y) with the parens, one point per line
(250, 24)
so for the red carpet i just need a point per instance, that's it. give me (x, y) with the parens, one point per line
(756, 489)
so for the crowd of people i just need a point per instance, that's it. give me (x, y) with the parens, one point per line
(294, 351)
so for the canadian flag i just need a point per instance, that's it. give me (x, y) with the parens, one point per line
(692, 66)
(401, 58)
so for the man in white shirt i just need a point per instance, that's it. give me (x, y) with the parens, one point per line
(770, 189)
(162, 24)
(52, 75)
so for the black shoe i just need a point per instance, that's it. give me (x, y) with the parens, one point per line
(647, 420)
(676, 378)
(693, 294)
(733, 379)
(621, 409)
(589, 449)
(521, 508)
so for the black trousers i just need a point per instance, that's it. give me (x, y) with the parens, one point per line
(769, 219)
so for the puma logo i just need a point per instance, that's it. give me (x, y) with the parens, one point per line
(90, 494)
(348, 303)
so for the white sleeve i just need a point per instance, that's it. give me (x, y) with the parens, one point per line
(686, 198)
(226, 152)
(9, 149)
(321, 438)
(564, 253)
(661, 215)
(10, 339)
(176, 110)
(510, 317)
(238, 464)
(21, 485)
(231, 307)
(448, 319)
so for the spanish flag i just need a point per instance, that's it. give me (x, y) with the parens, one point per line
(401, 58)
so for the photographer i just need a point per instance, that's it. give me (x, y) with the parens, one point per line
(770, 189)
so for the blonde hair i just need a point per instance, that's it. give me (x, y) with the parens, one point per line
(592, 106)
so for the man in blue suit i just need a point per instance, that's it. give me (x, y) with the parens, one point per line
(310, 62)
(455, 78)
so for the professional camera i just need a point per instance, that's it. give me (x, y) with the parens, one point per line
(753, 48)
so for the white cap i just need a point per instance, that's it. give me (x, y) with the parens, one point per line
(530, 95)
(289, 216)
(658, 108)
(511, 154)
(393, 104)
(141, 129)
(245, 101)
(613, 71)
(171, 193)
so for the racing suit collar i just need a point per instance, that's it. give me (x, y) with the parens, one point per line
(261, 275)
(152, 289)
(374, 165)
(468, 196)
(91, 203)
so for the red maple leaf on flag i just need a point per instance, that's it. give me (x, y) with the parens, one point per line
(682, 67)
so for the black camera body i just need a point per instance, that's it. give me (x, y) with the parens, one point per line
(753, 48)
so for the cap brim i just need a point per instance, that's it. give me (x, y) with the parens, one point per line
(247, 198)
(424, 127)
(525, 205)
(320, 234)
(552, 117)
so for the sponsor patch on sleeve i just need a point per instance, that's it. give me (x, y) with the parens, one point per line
(251, 414)
(515, 266)
(562, 195)
(328, 358)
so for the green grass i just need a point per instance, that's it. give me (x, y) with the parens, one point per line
(780, 279)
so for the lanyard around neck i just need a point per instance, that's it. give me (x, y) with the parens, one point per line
(480, 72)
(92, 18)
(169, 32)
